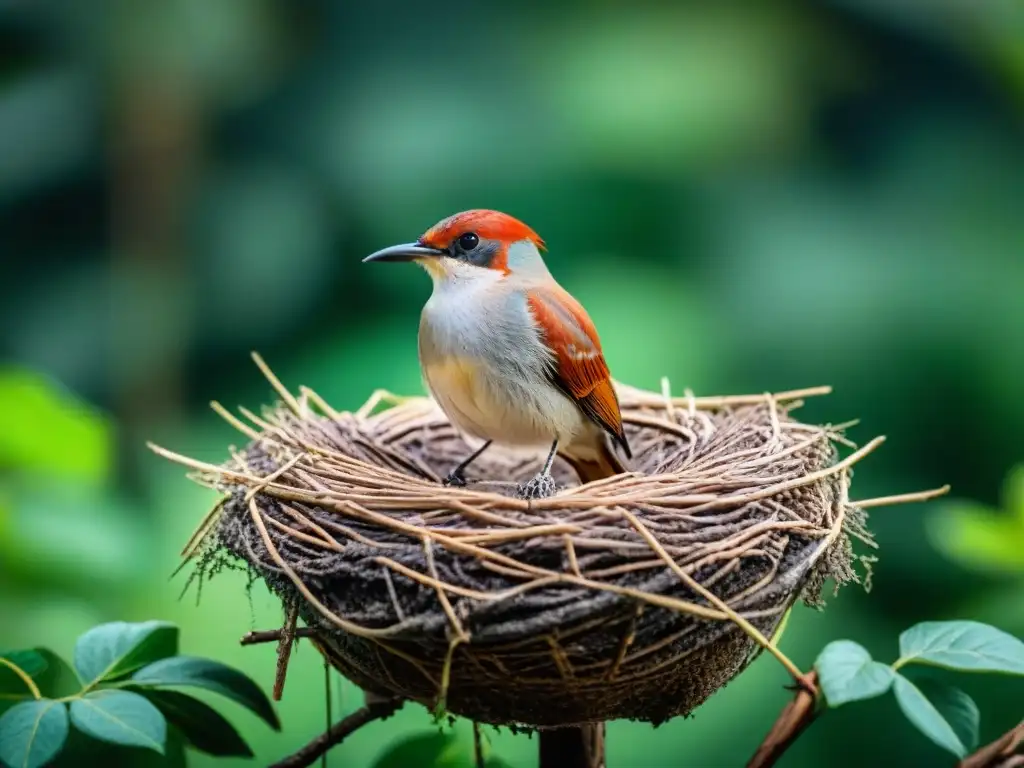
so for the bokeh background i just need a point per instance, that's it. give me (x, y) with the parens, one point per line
(746, 197)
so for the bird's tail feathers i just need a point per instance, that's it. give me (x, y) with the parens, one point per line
(605, 464)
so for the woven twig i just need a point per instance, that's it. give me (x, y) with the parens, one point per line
(636, 596)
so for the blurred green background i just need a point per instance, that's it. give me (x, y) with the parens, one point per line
(746, 197)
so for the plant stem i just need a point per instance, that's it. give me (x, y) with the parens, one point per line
(793, 721)
(25, 678)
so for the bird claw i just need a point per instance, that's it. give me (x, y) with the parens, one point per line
(537, 487)
(454, 480)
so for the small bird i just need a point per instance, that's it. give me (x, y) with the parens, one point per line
(508, 354)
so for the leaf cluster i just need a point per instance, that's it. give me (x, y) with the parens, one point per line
(942, 712)
(124, 688)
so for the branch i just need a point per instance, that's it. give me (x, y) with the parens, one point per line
(793, 721)
(273, 635)
(309, 754)
(1000, 753)
(284, 649)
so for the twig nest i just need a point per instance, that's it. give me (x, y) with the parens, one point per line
(615, 599)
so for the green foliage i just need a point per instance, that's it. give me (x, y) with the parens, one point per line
(32, 663)
(48, 430)
(43, 693)
(430, 750)
(981, 538)
(967, 646)
(67, 530)
(200, 725)
(212, 676)
(110, 651)
(120, 717)
(441, 748)
(847, 673)
(58, 680)
(32, 733)
(946, 715)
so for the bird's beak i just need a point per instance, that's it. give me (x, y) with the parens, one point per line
(404, 252)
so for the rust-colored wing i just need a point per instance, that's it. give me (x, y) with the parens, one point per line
(580, 369)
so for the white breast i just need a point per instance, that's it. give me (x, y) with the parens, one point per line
(484, 363)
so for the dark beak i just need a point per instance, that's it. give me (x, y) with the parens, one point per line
(405, 252)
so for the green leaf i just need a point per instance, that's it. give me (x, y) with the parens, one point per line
(58, 679)
(1013, 494)
(82, 751)
(968, 646)
(30, 662)
(49, 430)
(946, 715)
(32, 733)
(847, 673)
(120, 717)
(201, 726)
(115, 649)
(978, 537)
(212, 676)
(75, 539)
(957, 707)
(427, 750)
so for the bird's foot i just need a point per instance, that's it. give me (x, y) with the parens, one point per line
(454, 480)
(537, 487)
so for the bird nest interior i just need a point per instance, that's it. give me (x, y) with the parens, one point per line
(633, 597)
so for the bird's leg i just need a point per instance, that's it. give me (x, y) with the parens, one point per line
(457, 476)
(550, 459)
(542, 484)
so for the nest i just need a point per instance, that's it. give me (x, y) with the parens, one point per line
(633, 597)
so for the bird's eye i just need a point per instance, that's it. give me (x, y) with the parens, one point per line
(468, 241)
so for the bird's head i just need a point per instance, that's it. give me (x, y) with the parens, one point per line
(460, 246)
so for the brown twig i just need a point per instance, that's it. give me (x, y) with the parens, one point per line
(273, 635)
(284, 648)
(793, 721)
(1005, 752)
(309, 754)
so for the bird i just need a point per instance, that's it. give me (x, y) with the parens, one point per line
(507, 353)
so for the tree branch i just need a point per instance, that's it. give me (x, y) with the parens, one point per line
(273, 635)
(1004, 752)
(284, 649)
(309, 754)
(793, 721)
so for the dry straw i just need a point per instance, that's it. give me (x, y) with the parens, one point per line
(632, 597)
